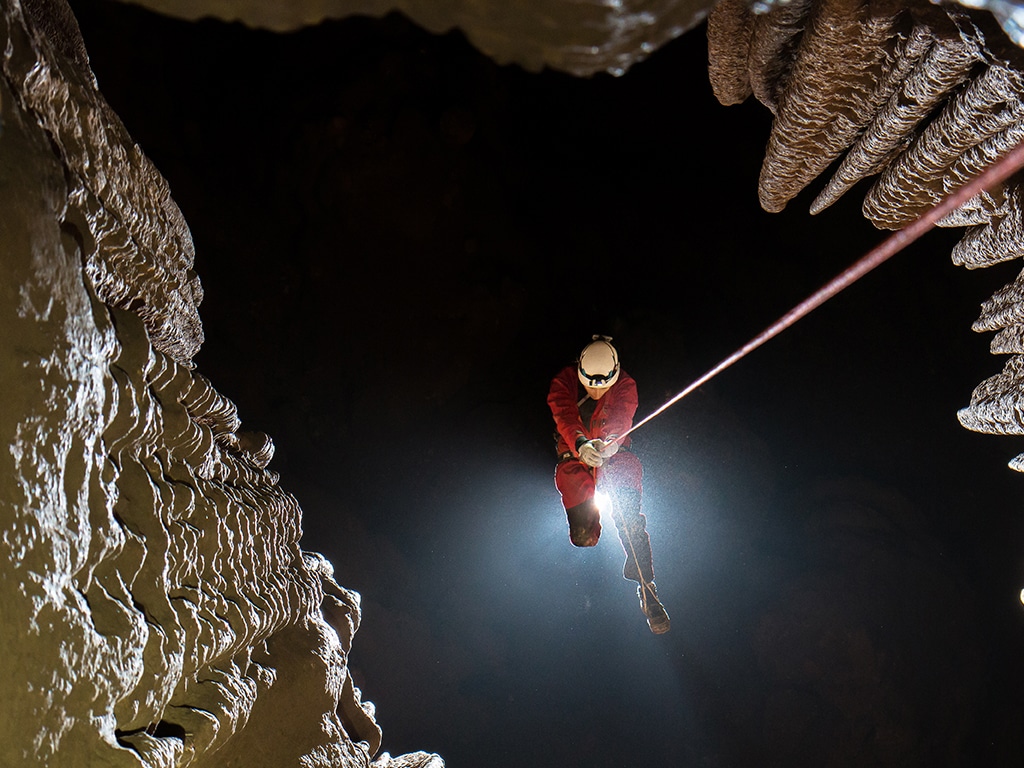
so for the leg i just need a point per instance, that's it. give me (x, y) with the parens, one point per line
(636, 543)
(575, 483)
(623, 479)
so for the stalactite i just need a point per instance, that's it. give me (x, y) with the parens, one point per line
(936, 67)
(1001, 239)
(925, 107)
(1005, 308)
(1004, 313)
(978, 125)
(834, 88)
(774, 39)
(730, 25)
(1009, 340)
(752, 54)
(997, 404)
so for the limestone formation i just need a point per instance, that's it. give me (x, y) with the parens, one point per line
(923, 98)
(157, 608)
(580, 37)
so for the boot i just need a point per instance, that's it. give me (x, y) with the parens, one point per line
(584, 524)
(657, 616)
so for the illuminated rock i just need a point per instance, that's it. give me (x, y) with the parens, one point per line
(580, 38)
(922, 97)
(157, 608)
(844, 52)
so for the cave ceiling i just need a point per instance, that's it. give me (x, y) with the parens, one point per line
(918, 97)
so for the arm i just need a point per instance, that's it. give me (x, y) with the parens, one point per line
(562, 401)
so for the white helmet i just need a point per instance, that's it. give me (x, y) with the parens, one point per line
(599, 364)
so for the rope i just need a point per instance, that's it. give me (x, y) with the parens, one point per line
(997, 172)
(644, 584)
(619, 520)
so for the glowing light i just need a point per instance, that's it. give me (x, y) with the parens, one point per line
(1022, 596)
(604, 506)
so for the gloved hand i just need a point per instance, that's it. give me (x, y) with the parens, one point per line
(608, 447)
(590, 453)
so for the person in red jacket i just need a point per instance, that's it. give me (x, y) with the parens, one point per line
(593, 404)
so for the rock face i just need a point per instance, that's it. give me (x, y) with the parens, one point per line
(158, 610)
(580, 38)
(921, 97)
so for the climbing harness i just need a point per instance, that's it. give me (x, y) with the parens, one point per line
(997, 172)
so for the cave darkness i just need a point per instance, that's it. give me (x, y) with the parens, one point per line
(401, 242)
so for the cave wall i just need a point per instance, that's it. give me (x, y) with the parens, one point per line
(158, 610)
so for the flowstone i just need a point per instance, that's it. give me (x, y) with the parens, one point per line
(157, 608)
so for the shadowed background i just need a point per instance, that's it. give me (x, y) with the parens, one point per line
(401, 242)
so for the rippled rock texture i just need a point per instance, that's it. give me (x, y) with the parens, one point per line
(919, 97)
(157, 609)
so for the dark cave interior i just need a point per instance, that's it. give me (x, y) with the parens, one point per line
(401, 242)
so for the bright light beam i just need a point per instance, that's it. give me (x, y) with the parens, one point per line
(604, 506)
(997, 172)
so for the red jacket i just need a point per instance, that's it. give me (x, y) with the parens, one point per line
(613, 413)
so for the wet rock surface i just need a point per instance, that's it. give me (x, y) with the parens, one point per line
(158, 610)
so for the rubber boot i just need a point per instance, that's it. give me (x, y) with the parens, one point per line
(657, 616)
(584, 524)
